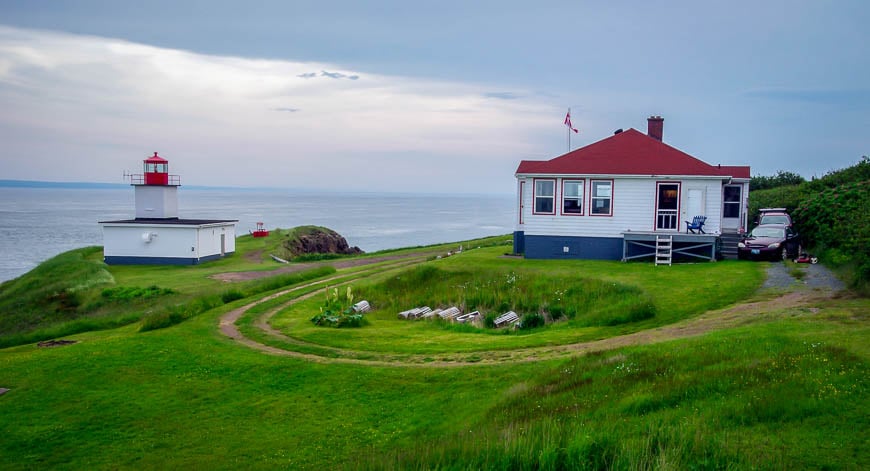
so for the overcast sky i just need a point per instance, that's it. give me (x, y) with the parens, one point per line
(421, 96)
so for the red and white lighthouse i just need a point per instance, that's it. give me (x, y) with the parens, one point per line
(157, 236)
(156, 190)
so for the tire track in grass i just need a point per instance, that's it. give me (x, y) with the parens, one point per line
(732, 316)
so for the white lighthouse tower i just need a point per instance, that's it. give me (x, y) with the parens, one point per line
(157, 235)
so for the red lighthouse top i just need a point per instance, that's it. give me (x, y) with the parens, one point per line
(156, 170)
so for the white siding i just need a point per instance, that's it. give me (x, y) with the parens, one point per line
(633, 203)
(156, 201)
(210, 240)
(166, 240)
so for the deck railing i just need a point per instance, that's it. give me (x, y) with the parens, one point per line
(139, 179)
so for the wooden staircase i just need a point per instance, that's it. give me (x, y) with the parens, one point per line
(728, 244)
(664, 250)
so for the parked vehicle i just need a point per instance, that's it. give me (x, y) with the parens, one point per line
(774, 216)
(770, 241)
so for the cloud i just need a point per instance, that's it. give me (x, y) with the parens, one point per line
(501, 95)
(111, 102)
(332, 75)
(338, 75)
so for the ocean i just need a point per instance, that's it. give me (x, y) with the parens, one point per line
(39, 223)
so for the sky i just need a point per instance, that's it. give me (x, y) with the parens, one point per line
(426, 96)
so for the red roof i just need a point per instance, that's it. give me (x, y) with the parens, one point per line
(629, 153)
(155, 159)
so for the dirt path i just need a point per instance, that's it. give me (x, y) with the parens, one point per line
(797, 295)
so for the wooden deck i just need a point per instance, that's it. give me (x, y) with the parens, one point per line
(636, 244)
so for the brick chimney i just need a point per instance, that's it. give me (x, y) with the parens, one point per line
(655, 126)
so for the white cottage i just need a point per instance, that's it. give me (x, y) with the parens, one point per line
(626, 197)
(157, 236)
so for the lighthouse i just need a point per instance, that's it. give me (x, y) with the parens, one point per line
(156, 190)
(157, 235)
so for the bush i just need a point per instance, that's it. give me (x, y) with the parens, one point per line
(333, 315)
(530, 321)
(231, 295)
(782, 178)
(788, 197)
(837, 222)
(584, 301)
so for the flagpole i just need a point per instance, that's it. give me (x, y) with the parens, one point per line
(568, 130)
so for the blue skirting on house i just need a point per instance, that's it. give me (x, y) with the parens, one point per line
(519, 242)
(129, 260)
(567, 247)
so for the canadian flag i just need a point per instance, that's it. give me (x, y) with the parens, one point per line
(568, 122)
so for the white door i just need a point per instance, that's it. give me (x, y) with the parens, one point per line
(732, 206)
(694, 204)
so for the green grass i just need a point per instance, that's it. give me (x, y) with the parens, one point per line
(590, 305)
(786, 392)
(788, 389)
(782, 395)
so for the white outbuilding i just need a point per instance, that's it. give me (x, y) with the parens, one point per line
(157, 236)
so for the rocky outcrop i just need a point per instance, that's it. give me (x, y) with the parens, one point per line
(307, 240)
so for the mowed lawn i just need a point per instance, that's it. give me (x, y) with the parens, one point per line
(787, 390)
(677, 292)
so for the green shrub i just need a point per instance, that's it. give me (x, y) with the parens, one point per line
(837, 222)
(788, 197)
(584, 301)
(782, 178)
(231, 295)
(531, 321)
(334, 313)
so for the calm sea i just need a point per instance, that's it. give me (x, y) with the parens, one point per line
(39, 223)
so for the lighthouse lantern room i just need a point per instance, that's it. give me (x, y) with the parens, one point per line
(157, 235)
(156, 170)
(156, 190)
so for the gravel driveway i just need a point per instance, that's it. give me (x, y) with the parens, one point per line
(817, 277)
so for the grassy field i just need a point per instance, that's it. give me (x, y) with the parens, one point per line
(786, 387)
(472, 281)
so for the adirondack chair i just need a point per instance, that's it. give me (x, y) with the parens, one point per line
(696, 224)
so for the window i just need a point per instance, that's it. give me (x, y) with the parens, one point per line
(731, 202)
(601, 198)
(545, 196)
(572, 197)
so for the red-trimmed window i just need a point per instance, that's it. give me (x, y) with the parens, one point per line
(601, 197)
(545, 197)
(572, 197)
